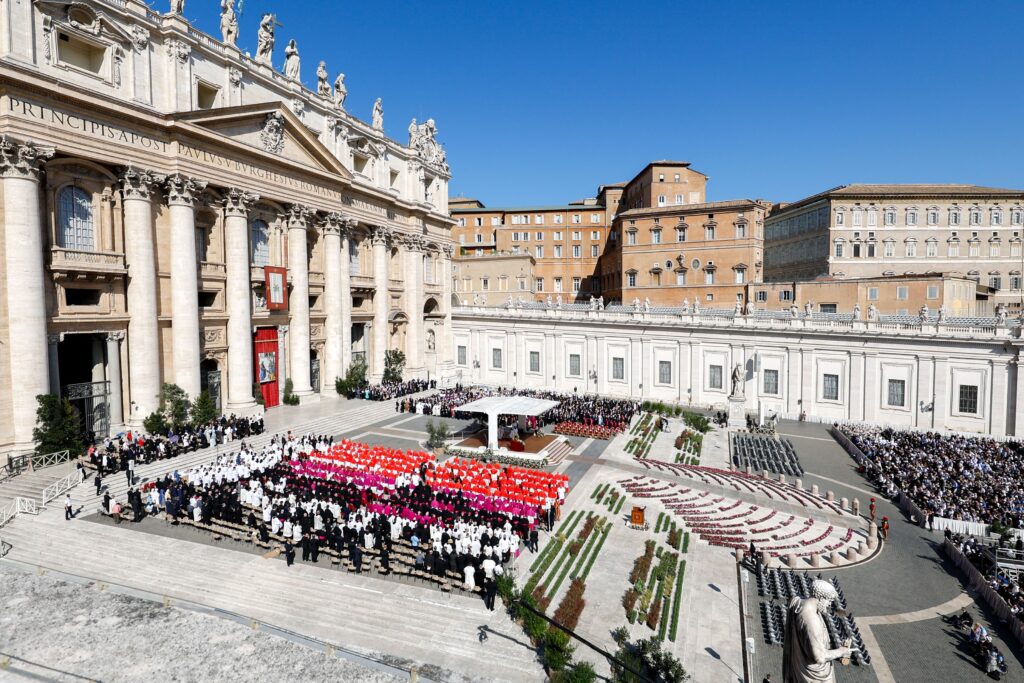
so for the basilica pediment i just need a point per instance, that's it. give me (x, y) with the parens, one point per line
(271, 129)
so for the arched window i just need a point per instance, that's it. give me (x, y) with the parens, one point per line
(74, 219)
(260, 239)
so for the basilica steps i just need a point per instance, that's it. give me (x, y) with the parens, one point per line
(31, 484)
(362, 613)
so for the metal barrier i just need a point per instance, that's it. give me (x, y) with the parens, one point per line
(19, 506)
(60, 486)
(995, 601)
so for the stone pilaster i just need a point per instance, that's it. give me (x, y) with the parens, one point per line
(446, 362)
(182, 193)
(347, 234)
(238, 290)
(298, 303)
(143, 328)
(381, 301)
(20, 167)
(413, 248)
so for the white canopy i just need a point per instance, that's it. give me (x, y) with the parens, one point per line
(509, 405)
(493, 406)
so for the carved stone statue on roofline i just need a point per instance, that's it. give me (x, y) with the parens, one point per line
(292, 64)
(323, 87)
(806, 653)
(378, 115)
(228, 22)
(265, 40)
(737, 381)
(340, 91)
(177, 6)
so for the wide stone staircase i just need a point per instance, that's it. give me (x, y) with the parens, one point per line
(31, 484)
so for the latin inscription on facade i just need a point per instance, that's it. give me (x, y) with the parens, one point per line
(261, 172)
(83, 124)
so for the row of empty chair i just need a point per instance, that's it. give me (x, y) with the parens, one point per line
(765, 453)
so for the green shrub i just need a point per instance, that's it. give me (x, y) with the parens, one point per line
(289, 398)
(56, 427)
(394, 363)
(437, 433)
(257, 393)
(580, 672)
(203, 410)
(154, 423)
(557, 651)
(174, 405)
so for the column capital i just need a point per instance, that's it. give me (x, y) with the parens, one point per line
(282, 329)
(448, 249)
(298, 216)
(22, 159)
(139, 184)
(117, 337)
(333, 224)
(183, 190)
(239, 202)
(381, 234)
(414, 243)
(54, 339)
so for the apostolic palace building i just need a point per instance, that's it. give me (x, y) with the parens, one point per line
(176, 210)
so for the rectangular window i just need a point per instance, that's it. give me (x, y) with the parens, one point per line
(679, 199)
(902, 293)
(761, 296)
(828, 308)
(664, 372)
(574, 365)
(911, 249)
(995, 282)
(631, 279)
(534, 361)
(495, 221)
(576, 218)
(557, 236)
(593, 251)
(709, 277)
(539, 249)
(897, 393)
(933, 218)
(680, 277)
(839, 250)
(462, 355)
(786, 295)
(931, 249)
(577, 235)
(631, 237)
(661, 200)
(655, 236)
(968, 399)
(538, 219)
(619, 368)
(715, 377)
(933, 291)
(485, 283)
(575, 284)
(540, 284)
(954, 249)
(478, 222)
(911, 217)
(840, 218)
(558, 284)
(872, 218)
(577, 251)
(595, 218)
(771, 382)
(709, 232)
(496, 359)
(741, 276)
(741, 231)
(1015, 281)
(872, 293)
(539, 236)
(830, 387)
(558, 251)
(889, 249)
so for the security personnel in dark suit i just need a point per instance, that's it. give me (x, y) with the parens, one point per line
(289, 553)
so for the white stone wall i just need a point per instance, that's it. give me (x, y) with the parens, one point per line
(689, 360)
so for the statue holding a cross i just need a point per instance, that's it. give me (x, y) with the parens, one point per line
(265, 39)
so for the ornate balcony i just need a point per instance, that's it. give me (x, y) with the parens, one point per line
(72, 263)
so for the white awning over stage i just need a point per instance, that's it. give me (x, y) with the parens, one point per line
(509, 405)
(493, 406)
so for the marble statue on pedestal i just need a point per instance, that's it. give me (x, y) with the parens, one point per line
(323, 87)
(291, 61)
(265, 40)
(177, 6)
(647, 304)
(548, 301)
(340, 91)
(808, 308)
(856, 311)
(378, 115)
(228, 22)
(737, 381)
(1001, 314)
(751, 308)
(794, 310)
(686, 305)
(923, 312)
(806, 655)
(942, 314)
(600, 303)
(872, 312)
(738, 310)
(558, 302)
(636, 304)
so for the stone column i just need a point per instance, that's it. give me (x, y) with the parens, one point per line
(20, 168)
(143, 327)
(413, 246)
(330, 227)
(238, 291)
(116, 402)
(381, 301)
(298, 302)
(53, 361)
(347, 233)
(283, 365)
(182, 192)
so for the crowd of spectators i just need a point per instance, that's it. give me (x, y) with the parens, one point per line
(998, 579)
(460, 517)
(968, 478)
(122, 452)
(614, 414)
(393, 390)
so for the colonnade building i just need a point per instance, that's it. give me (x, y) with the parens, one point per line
(176, 211)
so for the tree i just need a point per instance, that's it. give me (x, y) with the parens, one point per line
(57, 426)
(354, 379)
(204, 411)
(155, 423)
(289, 398)
(394, 363)
(174, 405)
(437, 433)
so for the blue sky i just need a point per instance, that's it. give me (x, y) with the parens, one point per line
(540, 102)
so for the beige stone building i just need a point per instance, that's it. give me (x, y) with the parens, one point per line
(957, 296)
(870, 231)
(176, 211)
(490, 280)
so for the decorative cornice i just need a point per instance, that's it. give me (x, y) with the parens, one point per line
(22, 160)
(137, 184)
(239, 202)
(183, 190)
